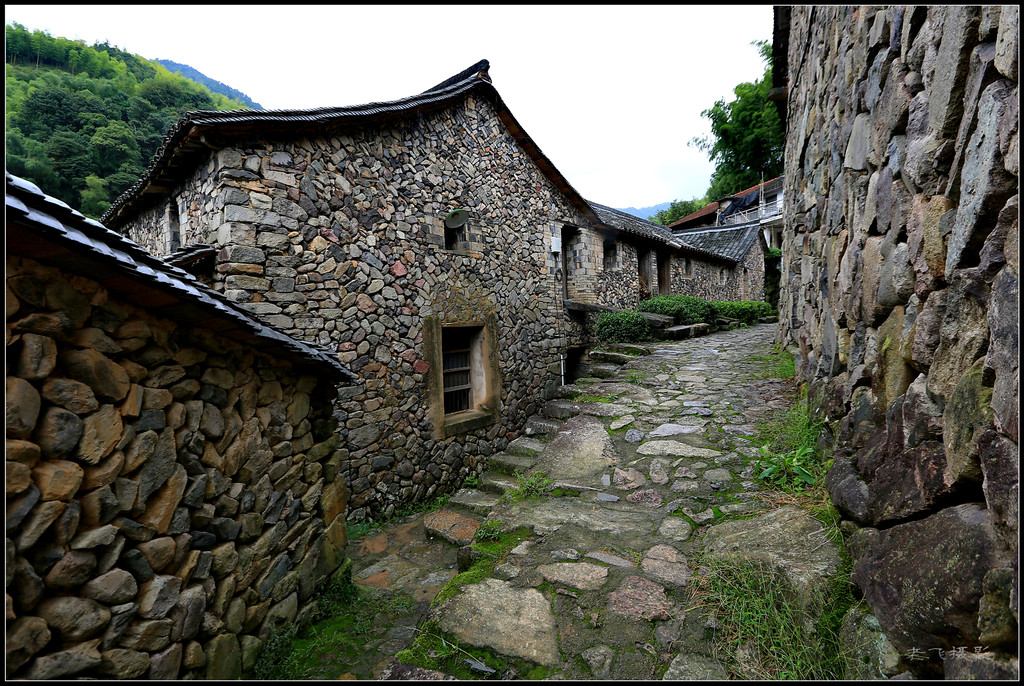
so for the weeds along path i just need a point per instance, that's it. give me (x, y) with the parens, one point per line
(628, 535)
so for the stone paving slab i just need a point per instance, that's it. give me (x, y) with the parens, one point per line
(453, 527)
(513, 621)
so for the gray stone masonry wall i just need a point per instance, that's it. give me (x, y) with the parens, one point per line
(619, 287)
(339, 240)
(743, 281)
(172, 496)
(900, 291)
(198, 217)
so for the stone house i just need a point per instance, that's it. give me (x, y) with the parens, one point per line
(762, 203)
(714, 264)
(173, 475)
(427, 240)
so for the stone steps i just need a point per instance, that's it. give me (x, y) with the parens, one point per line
(458, 528)
(560, 409)
(658, 321)
(494, 481)
(509, 463)
(526, 446)
(628, 349)
(684, 331)
(600, 370)
(537, 425)
(474, 501)
(609, 356)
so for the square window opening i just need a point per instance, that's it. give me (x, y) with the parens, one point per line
(610, 256)
(454, 236)
(462, 369)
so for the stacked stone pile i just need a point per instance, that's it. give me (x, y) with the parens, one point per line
(172, 496)
(900, 288)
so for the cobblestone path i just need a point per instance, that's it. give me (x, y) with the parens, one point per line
(646, 462)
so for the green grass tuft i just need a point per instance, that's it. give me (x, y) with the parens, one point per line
(533, 486)
(789, 457)
(778, 364)
(344, 620)
(755, 609)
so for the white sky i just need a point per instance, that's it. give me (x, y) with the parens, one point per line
(611, 93)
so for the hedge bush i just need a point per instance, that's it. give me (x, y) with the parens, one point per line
(622, 327)
(747, 312)
(686, 309)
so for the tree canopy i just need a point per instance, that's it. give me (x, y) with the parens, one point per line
(83, 121)
(746, 144)
(747, 137)
(679, 209)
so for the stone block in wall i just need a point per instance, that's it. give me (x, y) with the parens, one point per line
(985, 184)
(25, 636)
(1008, 41)
(73, 619)
(223, 658)
(968, 413)
(22, 407)
(66, 663)
(1003, 356)
(106, 378)
(963, 336)
(873, 262)
(859, 146)
(101, 433)
(924, 578)
(959, 34)
(927, 250)
(893, 375)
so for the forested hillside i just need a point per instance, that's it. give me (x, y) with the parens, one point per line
(83, 121)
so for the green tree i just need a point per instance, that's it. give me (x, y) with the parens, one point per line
(47, 109)
(72, 160)
(95, 199)
(19, 43)
(678, 209)
(115, 145)
(747, 137)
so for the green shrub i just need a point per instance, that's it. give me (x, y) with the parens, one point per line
(748, 311)
(686, 309)
(622, 327)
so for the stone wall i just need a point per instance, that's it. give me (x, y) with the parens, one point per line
(192, 209)
(619, 287)
(339, 240)
(172, 496)
(721, 280)
(899, 289)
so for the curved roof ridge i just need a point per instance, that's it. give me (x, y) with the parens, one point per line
(190, 121)
(478, 70)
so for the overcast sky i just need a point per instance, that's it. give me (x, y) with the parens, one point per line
(611, 93)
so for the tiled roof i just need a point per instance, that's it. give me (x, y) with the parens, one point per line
(46, 229)
(707, 209)
(188, 254)
(656, 232)
(769, 185)
(730, 242)
(632, 224)
(192, 137)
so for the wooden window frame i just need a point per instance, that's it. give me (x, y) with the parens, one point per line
(480, 339)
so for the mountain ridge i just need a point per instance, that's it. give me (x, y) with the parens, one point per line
(645, 212)
(213, 84)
